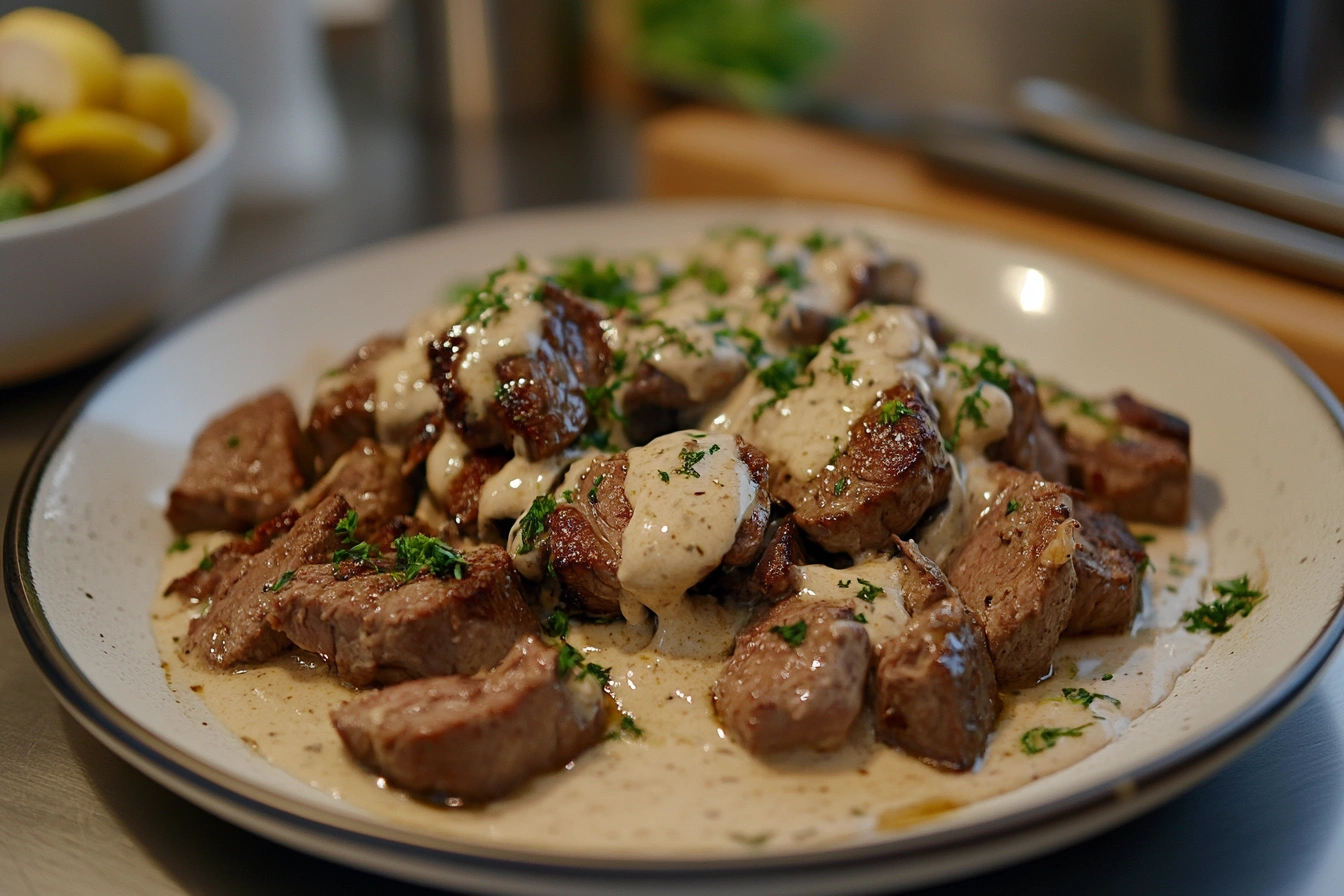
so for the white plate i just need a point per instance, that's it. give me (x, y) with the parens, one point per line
(86, 537)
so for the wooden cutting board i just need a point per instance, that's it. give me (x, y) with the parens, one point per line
(710, 152)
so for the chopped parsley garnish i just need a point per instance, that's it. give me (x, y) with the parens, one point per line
(792, 634)
(1038, 740)
(557, 624)
(629, 727)
(673, 335)
(781, 376)
(483, 303)
(233, 441)
(869, 591)
(570, 660)
(972, 408)
(754, 347)
(751, 233)
(859, 617)
(1086, 698)
(596, 438)
(207, 562)
(1146, 538)
(988, 368)
(533, 524)
(816, 241)
(843, 583)
(568, 495)
(417, 553)
(846, 369)
(284, 579)
(1107, 677)
(664, 475)
(689, 459)
(715, 316)
(179, 545)
(9, 132)
(583, 277)
(840, 485)
(1013, 507)
(790, 273)
(592, 492)
(893, 410)
(1237, 598)
(713, 278)
(359, 553)
(840, 345)
(346, 527)
(601, 400)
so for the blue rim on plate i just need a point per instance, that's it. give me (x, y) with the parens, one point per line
(942, 854)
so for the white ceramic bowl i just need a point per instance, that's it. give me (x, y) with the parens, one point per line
(77, 280)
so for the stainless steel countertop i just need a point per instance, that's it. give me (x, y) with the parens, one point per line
(75, 819)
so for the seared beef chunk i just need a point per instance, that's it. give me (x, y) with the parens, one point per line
(373, 628)
(795, 679)
(586, 533)
(1016, 573)
(923, 583)
(894, 282)
(234, 628)
(243, 469)
(370, 480)
(462, 502)
(1138, 468)
(203, 582)
(342, 412)
(1108, 560)
(585, 536)
(934, 690)
(882, 484)
(540, 399)
(1031, 444)
(424, 436)
(772, 578)
(477, 738)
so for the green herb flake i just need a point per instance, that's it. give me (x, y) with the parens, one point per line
(418, 553)
(361, 553)
(1013, 507)
(845, 369)
(843, 583)
(179, 545)
(816, 241)
(346, 527)
(859, 617)
(1086, 698)
(557, 624)
(1146, 538)
(279, 584)
(233, 441)
(869, 591)
(1236, 598)
(893, 410)
(533, 524)
(664, 475)
(840, 345)
(570, 660)
(1107, 677)
(568, 495)
(582, 276)
(592, 492)
(628, 727)
(972, 408)
(793, 634)
(789, 273)
(689, 459)
(840, 485)
(207, 562)
(1038, 740)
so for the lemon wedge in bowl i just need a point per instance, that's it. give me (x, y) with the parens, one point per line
(57, 61)
(96, 148)
(159, 90)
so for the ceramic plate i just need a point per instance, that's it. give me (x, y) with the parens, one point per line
(86, 538)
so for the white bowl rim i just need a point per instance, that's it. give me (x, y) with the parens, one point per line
(221, 123)
(243, 802)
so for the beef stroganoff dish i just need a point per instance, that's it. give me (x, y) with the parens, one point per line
(728, 547)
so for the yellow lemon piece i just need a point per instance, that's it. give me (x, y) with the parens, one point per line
(57, 61)
(96, 148)
(159, 90)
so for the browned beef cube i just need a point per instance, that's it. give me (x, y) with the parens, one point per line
(1031, 444)
(342, 411)
(934, 690)
(585, 534)
(476, 738)
(893, 282)
(234, 628)
(1016, 573)
(924, 583)
(540, 399)
(243, 469)
(1139, 469)
(375, 628)
(881, 485)
(203, 583)
(795, 679)
(772, 578)
(463, 501)
(370, 480)
(1108, 561)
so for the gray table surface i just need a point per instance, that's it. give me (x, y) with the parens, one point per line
(75, 819)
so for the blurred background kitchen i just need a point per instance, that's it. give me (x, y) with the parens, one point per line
(1196, 144)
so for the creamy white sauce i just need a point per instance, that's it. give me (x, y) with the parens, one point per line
(804, 430)
(685, 789)
(884, 613)
(508, 494)
(685, 517)
(445, 462)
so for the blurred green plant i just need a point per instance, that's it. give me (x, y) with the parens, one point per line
(756, 53)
